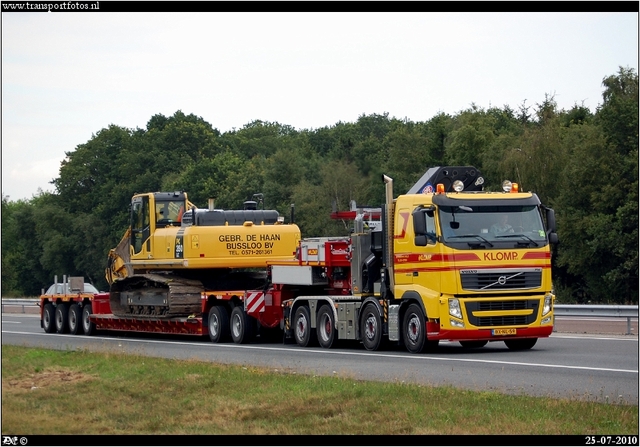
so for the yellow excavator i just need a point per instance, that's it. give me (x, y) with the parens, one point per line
(173, 251)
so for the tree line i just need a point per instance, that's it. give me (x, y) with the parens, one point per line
(583, 164)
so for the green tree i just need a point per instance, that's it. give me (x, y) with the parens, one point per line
(598, 200)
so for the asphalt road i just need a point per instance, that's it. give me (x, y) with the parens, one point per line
(578, 366)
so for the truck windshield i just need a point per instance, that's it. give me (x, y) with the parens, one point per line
(490, 224)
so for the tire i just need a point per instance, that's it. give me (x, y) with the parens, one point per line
(241, 326)
(473, 343)
(218, 324)
(326, 330)
(414, 332)
(302, 331)
(521, 344)
(75, 319)
(371, 328)
(88, 327)
(62, 318)
(48, 318)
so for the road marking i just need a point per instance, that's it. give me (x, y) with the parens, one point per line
(334, 352)
(617, 320)
(594, 337)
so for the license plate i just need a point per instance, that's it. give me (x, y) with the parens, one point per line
(510, 331)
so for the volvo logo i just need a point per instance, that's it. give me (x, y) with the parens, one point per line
(502, 280)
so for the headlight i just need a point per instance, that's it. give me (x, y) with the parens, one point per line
(548, 304)
(454, 308)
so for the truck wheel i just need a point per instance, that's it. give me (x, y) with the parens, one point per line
(473, 343)
(218, 324)
(75, 319)
(371, 327)
(241, 326)
(414, 331)
(88, 327)
(326, 327)
(62, 318)
(48, 318)
(521, 344)
(302, 331)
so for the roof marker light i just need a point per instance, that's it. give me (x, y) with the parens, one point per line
(440, 188)
(506, 186)
(458, 186)
(514, 187)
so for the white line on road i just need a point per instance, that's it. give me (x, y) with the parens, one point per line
(337, 352)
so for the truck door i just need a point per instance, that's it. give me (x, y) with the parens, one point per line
(140, 225)
(427, 268)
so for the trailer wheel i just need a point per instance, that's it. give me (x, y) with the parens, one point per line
(473, 343)
(75, 319)
(371, 327)
(521, 344)
(241, 326)
(218, 324)
(414, 331)
(62, 318)
(88, 327)
(48, 318)
(326, 327)
(302, 328)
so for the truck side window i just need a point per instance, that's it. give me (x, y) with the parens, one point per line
(431, 229)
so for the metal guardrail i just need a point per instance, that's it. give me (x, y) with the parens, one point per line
(562, 310)
(22, 302)
(597, 311)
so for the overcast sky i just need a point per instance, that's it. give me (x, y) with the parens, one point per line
(66, 76)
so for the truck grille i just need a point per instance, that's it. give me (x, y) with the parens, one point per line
(502, 321)
(487, 280)
(504, 305)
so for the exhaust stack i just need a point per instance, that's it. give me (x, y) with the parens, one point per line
(388, 259)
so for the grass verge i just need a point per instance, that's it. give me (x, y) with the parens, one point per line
(76, 392)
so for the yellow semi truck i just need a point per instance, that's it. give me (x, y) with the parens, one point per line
(449, 261)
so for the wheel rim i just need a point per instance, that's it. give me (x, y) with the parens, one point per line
(370, 327)
(85, 321)
(73, 320)
(47, 318)
(301, 326)
(413, 329)
(236, 325)
(214, 325)
(325, 327)
(59, 319)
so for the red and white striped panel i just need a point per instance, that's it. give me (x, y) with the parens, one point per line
(254, 302)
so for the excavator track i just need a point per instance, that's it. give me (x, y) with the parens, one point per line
(155, 296)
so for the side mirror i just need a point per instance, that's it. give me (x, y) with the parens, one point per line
(420, 240)
(419, 222)
(553, 238)
(551, 220)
